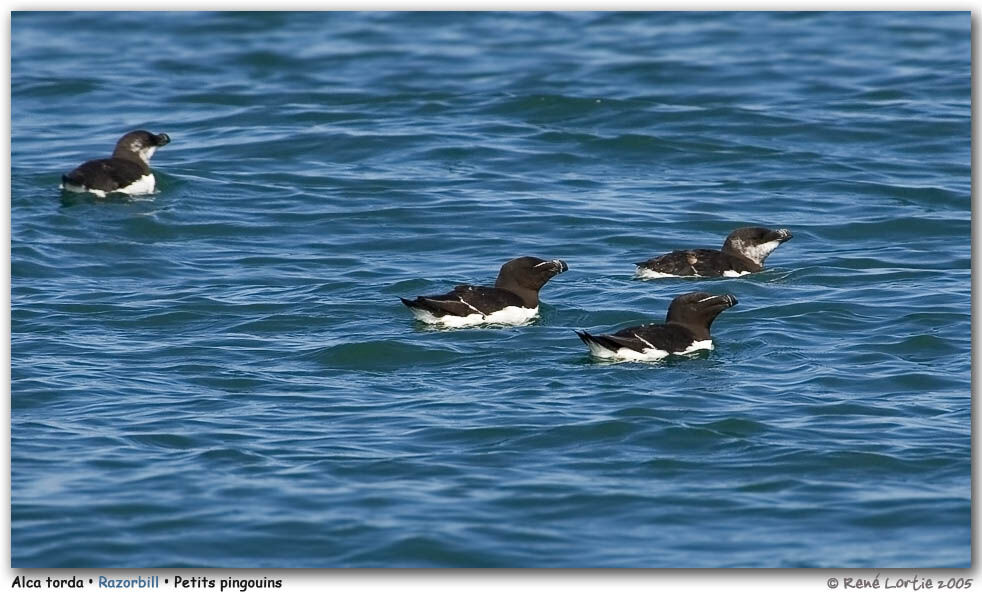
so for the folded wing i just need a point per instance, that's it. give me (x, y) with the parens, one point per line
(466, 300)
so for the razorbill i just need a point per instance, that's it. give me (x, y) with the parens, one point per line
(126, 171)
(686, 330)
(513, 300)
(744, 251)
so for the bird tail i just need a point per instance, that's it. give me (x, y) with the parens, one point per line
(70, 181)
(600, 346)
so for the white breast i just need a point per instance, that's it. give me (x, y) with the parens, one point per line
(143, 185)
(81, 189)
(757, 253)
(648, 273)
(646, 355)
(506, 316)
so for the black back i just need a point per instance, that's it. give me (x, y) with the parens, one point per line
(517, 285)
(688, 320)
(106, 174)
(465, 300)
(740, 253)
(699, 262)
(129, 162)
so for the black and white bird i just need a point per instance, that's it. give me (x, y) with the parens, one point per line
(514, 299)
(744, 251)
(686, 330)
(126, 171)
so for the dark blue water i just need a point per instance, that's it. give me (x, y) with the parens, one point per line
(221, 374)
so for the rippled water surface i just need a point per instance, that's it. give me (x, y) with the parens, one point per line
(221, 374)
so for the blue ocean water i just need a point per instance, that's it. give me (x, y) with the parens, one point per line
(221, 374)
